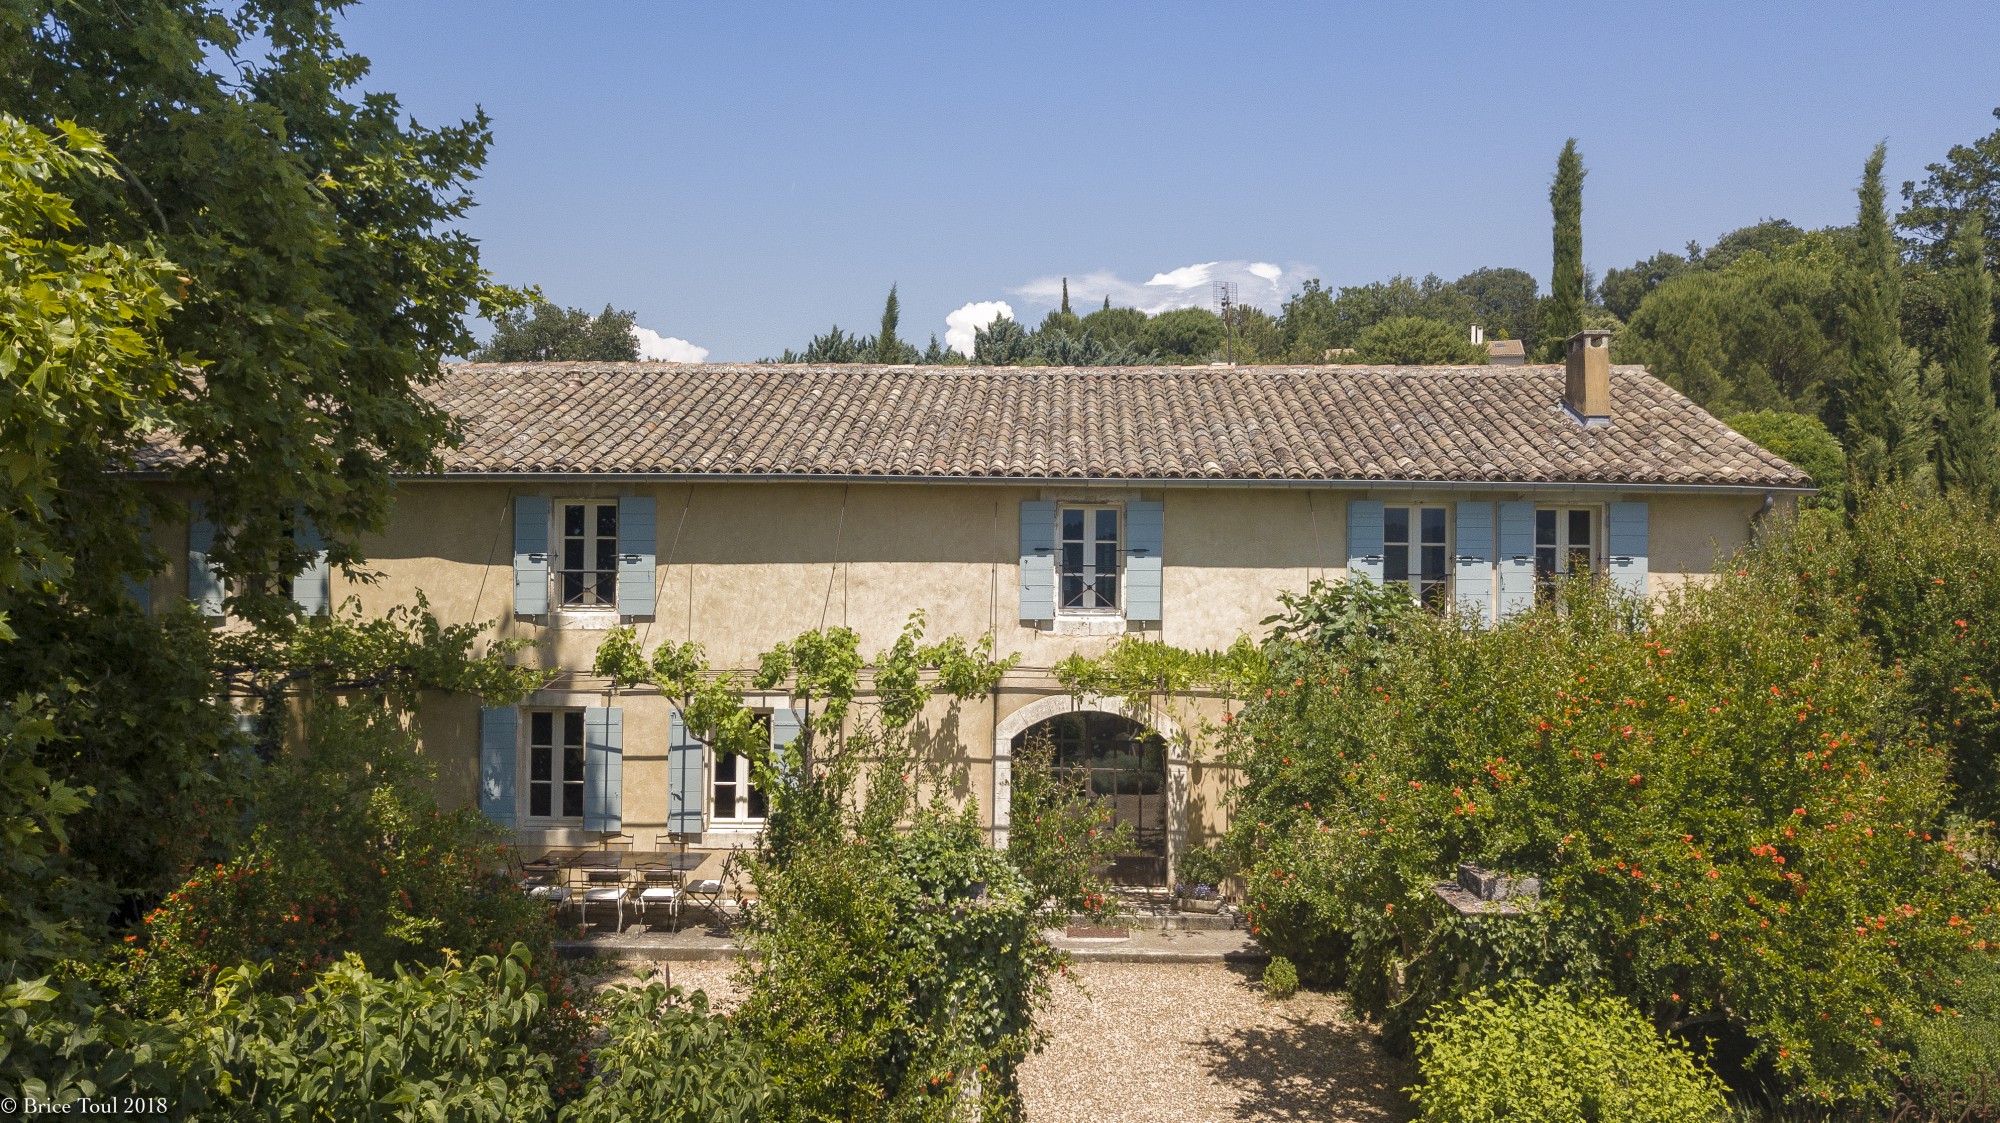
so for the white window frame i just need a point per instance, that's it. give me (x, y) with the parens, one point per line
(1089, 569)
(559, 778)
(559, 551)
(744, 783)
(1564, 546)
(1414, 544)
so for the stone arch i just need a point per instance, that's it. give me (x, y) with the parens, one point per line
(1055, 705)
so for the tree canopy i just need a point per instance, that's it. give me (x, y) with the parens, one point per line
(545, 333)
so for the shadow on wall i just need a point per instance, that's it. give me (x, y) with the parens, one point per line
(1309, 1070)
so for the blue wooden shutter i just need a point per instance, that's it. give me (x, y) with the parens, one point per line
(1517, 557)
(204, 583)
(1625, 547)
(531, 555)
(312, 589)
(1364, 539)
(1038, 560)
(1145, 537)
(785, 725)
(637, 576)
(1472, 576)
(603, 768)
(499, 752)
(684, 778)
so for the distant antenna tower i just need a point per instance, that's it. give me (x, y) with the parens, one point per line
(1226, 304)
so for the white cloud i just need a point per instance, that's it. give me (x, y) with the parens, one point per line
(1258, 282)
(657, 348)
(961, 323)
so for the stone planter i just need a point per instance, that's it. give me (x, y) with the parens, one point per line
(1211, 905)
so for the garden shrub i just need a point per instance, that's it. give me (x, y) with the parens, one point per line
(1740, 829)
(881, 981)
(1060, 836)
(666, 1059)
(1200, 865)
(1281, 979)
(1522, 1052)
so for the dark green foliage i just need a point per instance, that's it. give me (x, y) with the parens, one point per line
(1968, 450)
(1201, 865)
(1623, 290)
(1409, 340)
(1060, 836)
(1803, 441)
(1966, 182)
(1562, 312)
(1503, 301)
(1878, 408)
(666, 1059)
(1115, 326)
(1183, 334)
(1000, 343)
(889, 349)
(545, 333)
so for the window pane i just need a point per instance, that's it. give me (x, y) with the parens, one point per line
(1396, 524)
(1072, 524)
(542, 727)
(607, 521)
(607, 554)
(1107, 526)
(541, 763)
(725, 769)
(539, 798)
(573, 729)
(1579, 528)
(1545, 527)
(572, 553)
(759, 805)
(573, 799)
(1107, 558)
(572, 588)
(1072, 590)
(1433, 563)
(1545, 562)
(573, 764)
(1107, 590)
(1433, 524)
(572, 519)
(1395, 564)
(1072, 557)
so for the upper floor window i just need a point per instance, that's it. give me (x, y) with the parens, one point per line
(1416, 553)
(1565, 543)
(587, 553)
(1087, 559)
(555, 764)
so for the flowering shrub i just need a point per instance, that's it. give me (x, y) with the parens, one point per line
(1556, 1056)
(1739, 828)
(1060, 836)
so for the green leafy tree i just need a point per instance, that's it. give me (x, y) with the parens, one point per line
(1623, 290)
(545, 333)
(1413, 341)
(1503, 301)
(1966, 182)
(1804, 442)
(1000, 343)
(1182, 334)
(1562, 312)
(1114, 326)
(1968, 457)
(1309, 324)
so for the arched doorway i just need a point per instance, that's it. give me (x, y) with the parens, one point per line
(1122, 763)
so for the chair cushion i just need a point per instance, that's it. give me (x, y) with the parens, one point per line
(549, 893)
(660, 893)
(604, 894)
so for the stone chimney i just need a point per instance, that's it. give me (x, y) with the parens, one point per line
(1587, 377)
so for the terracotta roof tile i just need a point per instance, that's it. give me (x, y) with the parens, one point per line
(1444, 424)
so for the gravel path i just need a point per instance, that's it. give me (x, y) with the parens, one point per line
(1189, 1043)
(1184, 1043)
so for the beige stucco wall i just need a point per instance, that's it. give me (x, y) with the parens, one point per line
(744, 565)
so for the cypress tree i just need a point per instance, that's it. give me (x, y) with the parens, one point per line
(1878, 408)
(889, 349)
(1065, 307)
(1967, 447)
(1562, 312)
(1107, 301)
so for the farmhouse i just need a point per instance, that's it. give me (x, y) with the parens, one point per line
(1055, 508)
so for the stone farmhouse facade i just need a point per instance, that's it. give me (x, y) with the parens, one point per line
(1057, 509)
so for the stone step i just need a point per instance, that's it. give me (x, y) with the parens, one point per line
(1164, 920)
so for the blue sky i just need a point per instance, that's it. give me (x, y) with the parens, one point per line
(744, 175)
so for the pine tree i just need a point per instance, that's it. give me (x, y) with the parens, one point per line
(1562, 312)
(1967, 445)
(889, 349)
(1879, 407)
